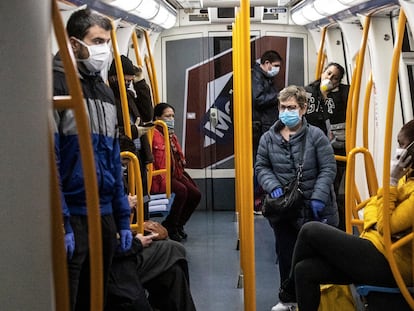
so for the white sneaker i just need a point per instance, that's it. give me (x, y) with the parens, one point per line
(285, 306)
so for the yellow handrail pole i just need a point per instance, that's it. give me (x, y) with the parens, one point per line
(359, 67)
(151, 78)
(351, 205)
(92, 198)
(136, 48)
(246, 174)
(236, 100)
(121, 83)
(372, 185)
(352, 109)
(349, 190)
(237, 165)
(122, 92)
(365, 122)
(320, 59)
(154, 74)
(238, 114)
(139, 209)
(167, 169)
(387, 156)
(348, 120)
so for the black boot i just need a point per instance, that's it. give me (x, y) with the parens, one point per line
(181, 232)
(172, 231)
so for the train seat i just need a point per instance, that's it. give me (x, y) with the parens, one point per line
(159, 205)
(383, 298)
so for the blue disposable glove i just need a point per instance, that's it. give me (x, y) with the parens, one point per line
(125, 240)
(69, 244)
(277, 192)
(317, 206)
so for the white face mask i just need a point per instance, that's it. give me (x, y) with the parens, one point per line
(98, 56)
(274, 71)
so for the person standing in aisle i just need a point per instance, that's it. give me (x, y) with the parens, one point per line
(264, 105)
(327, 110)
(89, 35)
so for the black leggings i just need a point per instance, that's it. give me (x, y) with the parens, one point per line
(326, 255)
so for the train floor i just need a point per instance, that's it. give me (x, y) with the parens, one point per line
(214, 262)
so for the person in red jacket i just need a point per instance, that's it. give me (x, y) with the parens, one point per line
(187, 194)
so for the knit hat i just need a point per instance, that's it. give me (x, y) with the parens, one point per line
(127, 67)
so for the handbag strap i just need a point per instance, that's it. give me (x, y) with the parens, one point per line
(302, 152)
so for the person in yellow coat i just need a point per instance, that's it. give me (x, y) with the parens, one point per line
(326, 255)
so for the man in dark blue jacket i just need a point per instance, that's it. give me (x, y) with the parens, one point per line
(264, 94)
(264, 104)
(89, 35)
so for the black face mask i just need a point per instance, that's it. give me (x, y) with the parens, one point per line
(115, 87)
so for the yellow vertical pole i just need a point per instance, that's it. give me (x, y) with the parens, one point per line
(136, 48)
(236, 102)
(321, 58)
(154, 74)
(121, 84)
(246, 160)
(237, 138)
(151, 79)
(357, 82)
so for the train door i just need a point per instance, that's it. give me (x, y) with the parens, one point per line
(217, 124)
(197, 80)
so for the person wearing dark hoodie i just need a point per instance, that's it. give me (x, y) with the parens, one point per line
(89, 35)
(264, 105)
(328, 99)
(141, 113)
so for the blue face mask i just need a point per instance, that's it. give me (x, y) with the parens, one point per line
(170, 125)
(273, 72)
(290, 118)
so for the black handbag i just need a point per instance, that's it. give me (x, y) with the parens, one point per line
(288, 206)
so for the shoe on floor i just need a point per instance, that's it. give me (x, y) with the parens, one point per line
(285, 306)
(287, 292)
(181, 232)
(172, 231)
(175, 236)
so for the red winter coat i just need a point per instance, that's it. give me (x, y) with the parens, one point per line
(177, 160)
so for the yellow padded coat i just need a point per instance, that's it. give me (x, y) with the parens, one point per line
(401, 209)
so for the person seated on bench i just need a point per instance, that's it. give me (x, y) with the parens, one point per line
(154, 263)
(326, 255)
(187, 194)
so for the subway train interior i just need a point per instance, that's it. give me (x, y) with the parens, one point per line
(197, 55)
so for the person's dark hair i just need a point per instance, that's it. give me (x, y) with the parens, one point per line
(80, 21)
(293, 91)
(126, 144)
(408, 130)
(271, 56)
(159, 109)
(339, 67)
